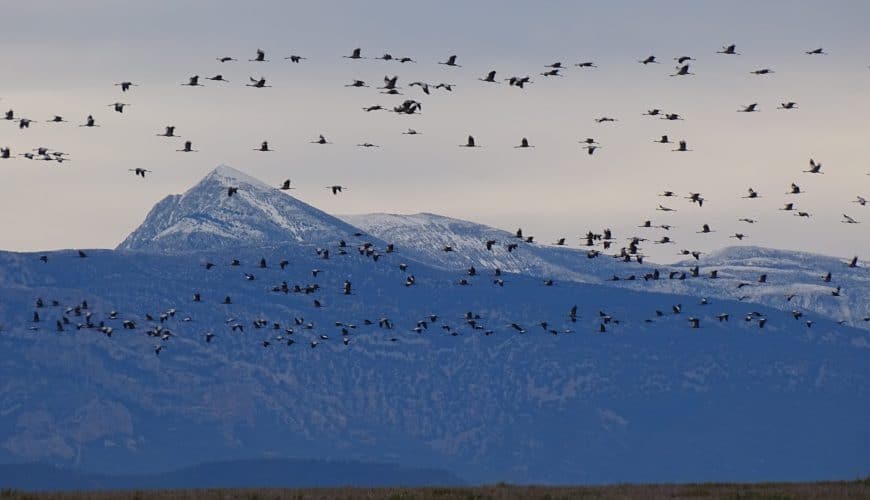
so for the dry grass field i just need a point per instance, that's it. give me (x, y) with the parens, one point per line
(759, 491)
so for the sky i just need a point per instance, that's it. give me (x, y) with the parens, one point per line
(63, 58)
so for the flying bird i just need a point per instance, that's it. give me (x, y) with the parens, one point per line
(355, 54)
(125, 86)
(451, 61)
(524, 143)
(815, 168)
(260, 57)
(188, 148)
(257, 83)
(470, 143)
(490, 77)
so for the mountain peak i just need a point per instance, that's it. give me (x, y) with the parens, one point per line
(230, 176)
(207, 217)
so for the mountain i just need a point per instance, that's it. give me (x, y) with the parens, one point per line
(423, 237)
(491, 381)
(205, 218)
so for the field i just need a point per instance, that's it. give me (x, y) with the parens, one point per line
(761, 491)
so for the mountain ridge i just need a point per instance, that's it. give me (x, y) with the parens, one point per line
(254, 215)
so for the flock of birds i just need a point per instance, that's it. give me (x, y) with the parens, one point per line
(632, 251)
(166, 325)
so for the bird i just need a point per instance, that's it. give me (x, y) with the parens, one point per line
(854, 262)
(188, 148)
(169, 132)
(683, 71)
(264, 146)
(524, 143)
(56, 119)
(125, 86)
(663, 140)
(320, 140)
(519, 82)
(411, 131)
(376, 107)
(257, 83)
(794, 189)
(763, 71)
(193, 81)
(285, 186)
(683, 59)
(451, 61)
(231, 191)
(89, 122)
(226, 59)
(490, 77)
(752, 194)
(849, 220)
(118, 106)
(861, 201)
(605, 119)
(260, 57)
(649, 60)
(367, 145)
(446, 86)
(295, 59)
(139, 171)
(336, 189)
(750, 108)
(706, 229)
(586, 64)
(357, 83)
(729, 50)
(788, 105)
(814, 52)
(470, 143)
(422, 85)
(218, 78)
(815, 168)
(682, 147)
(355, 54)
(590, 148)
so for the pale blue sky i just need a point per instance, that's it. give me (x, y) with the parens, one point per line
(62, 57)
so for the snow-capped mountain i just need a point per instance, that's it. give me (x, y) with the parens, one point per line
(206, 218)
(424, 237)
(220, 353)
(794, 279)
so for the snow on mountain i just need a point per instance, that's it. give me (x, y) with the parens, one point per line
(205, 218)
(793, 281)
(423, 237)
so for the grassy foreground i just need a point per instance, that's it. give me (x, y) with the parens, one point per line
(761, 491)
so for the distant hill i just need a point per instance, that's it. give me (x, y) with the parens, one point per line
(264, 473)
